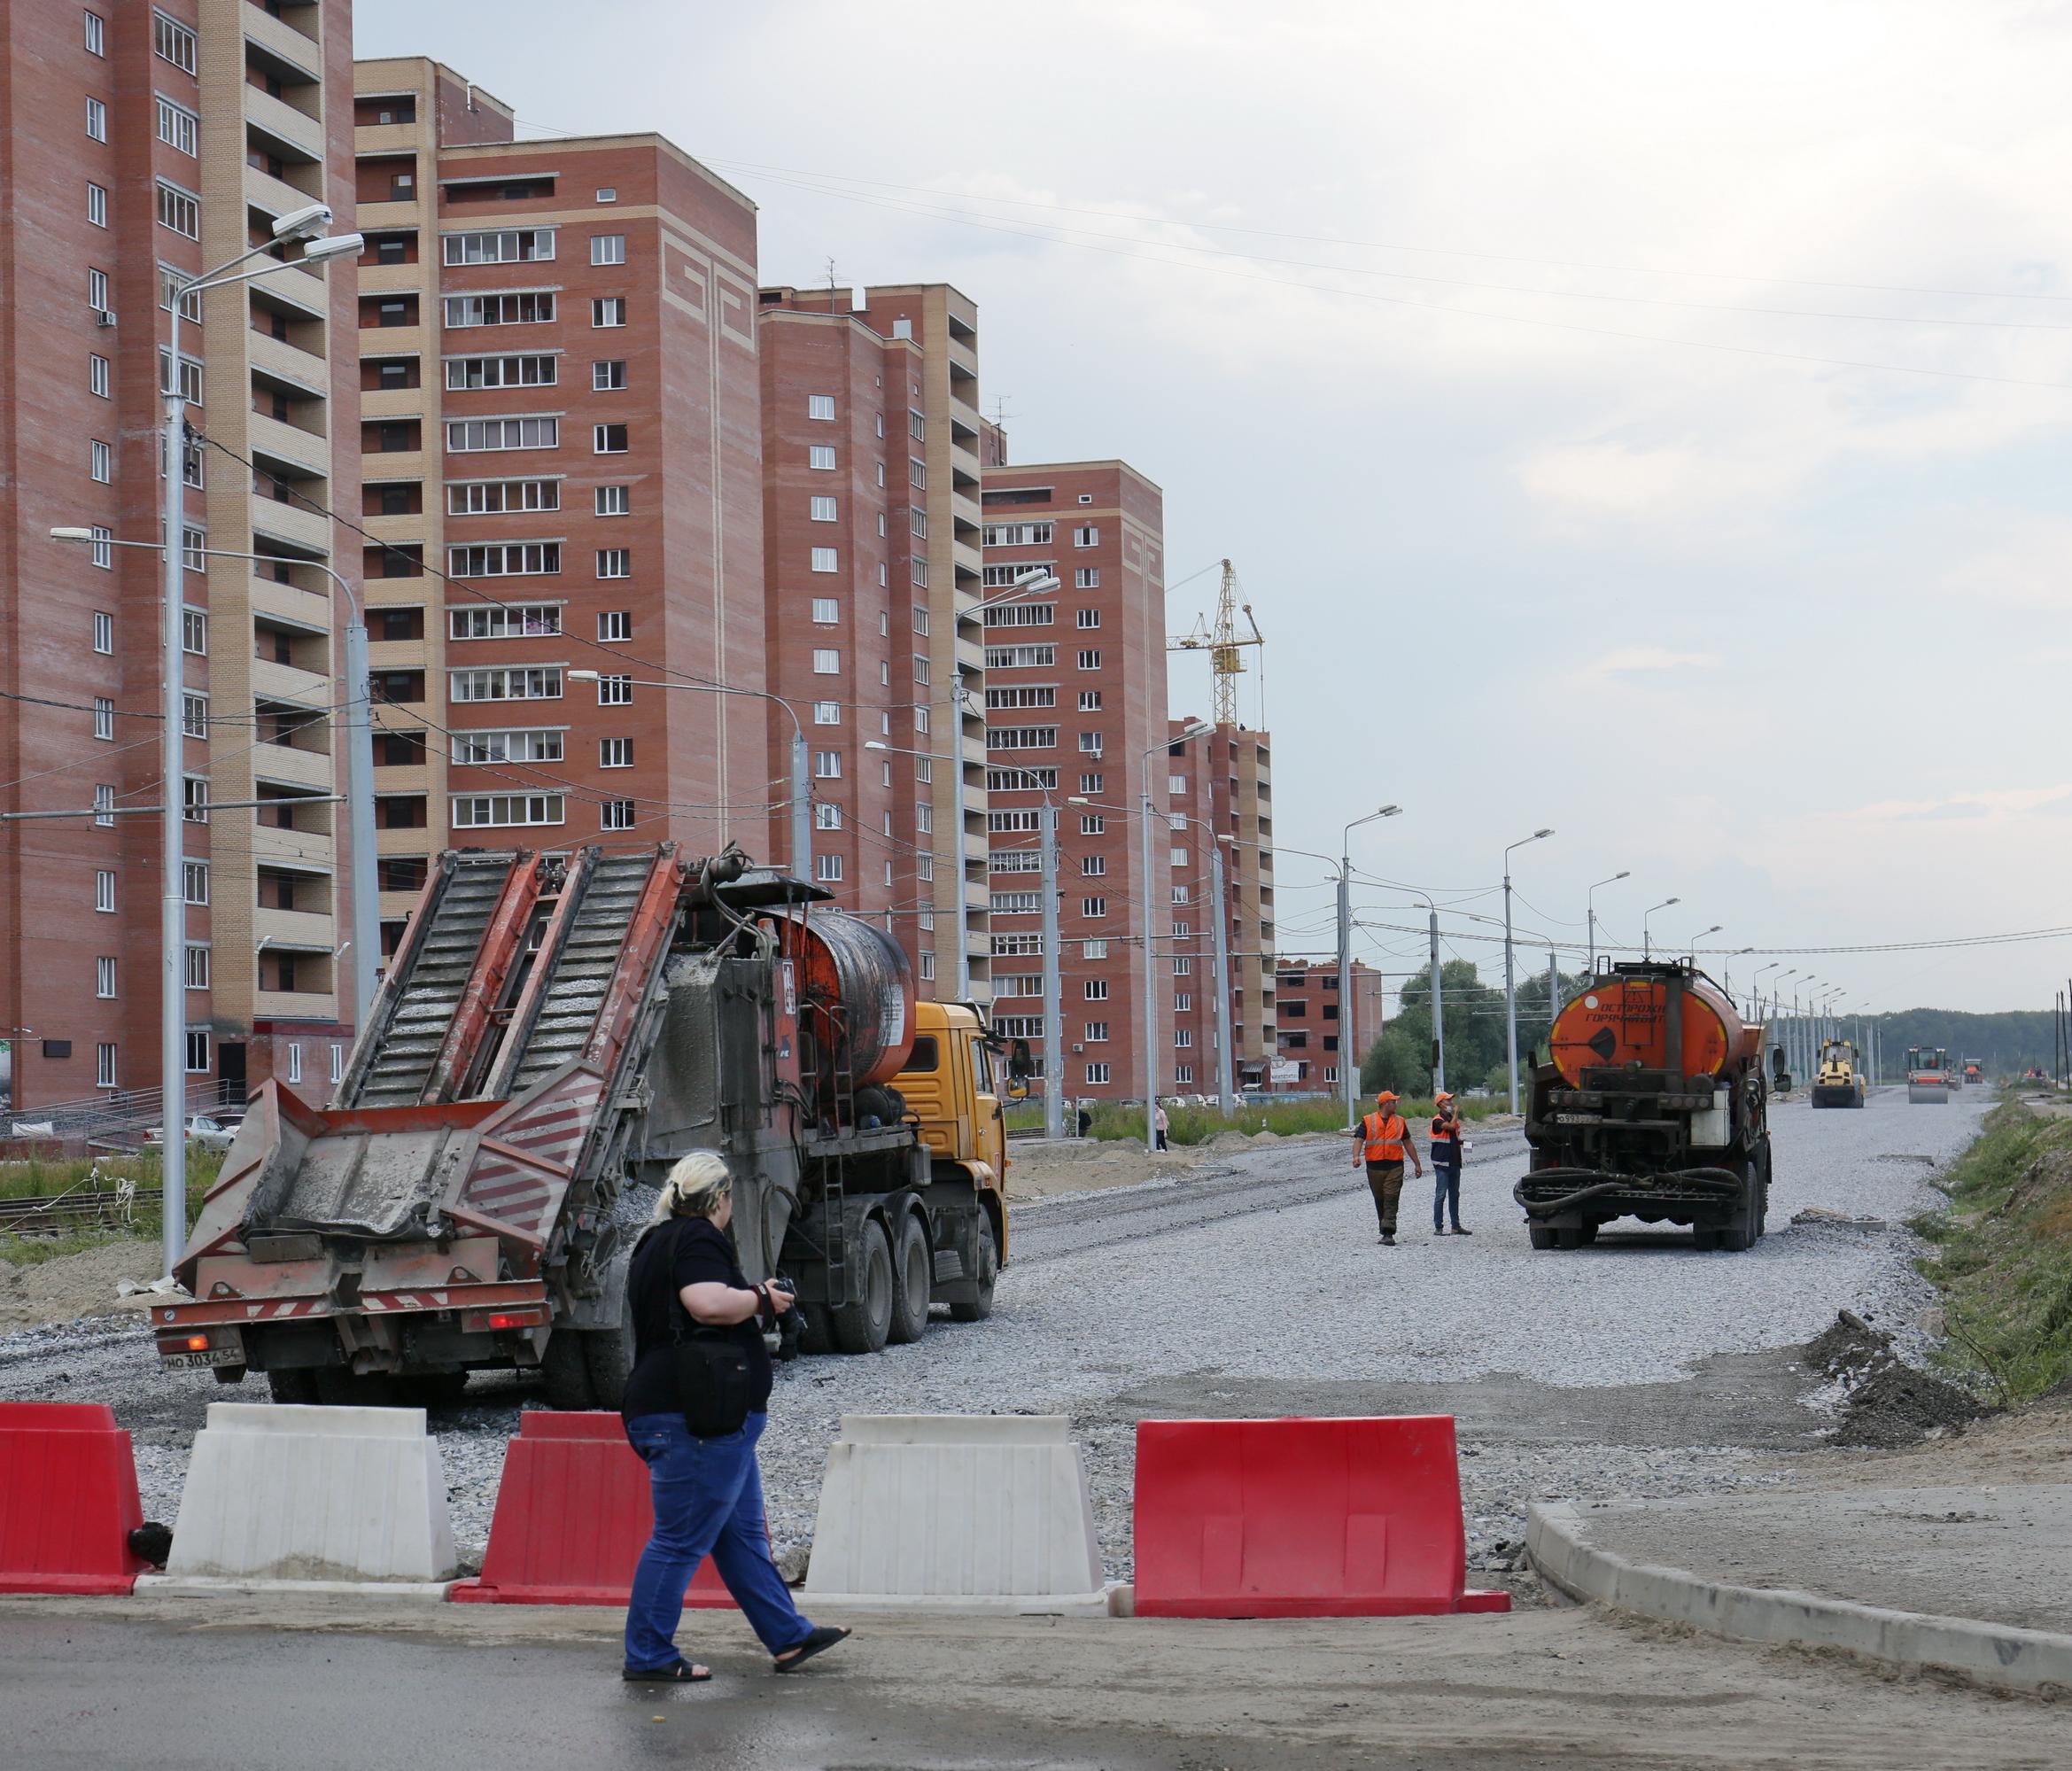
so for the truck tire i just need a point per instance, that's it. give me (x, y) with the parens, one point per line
(1706, 1237)
(609, 1352)
(1541, 1235)
(566, 1371)
(861, 1324)
(913, 1272)
(294, 1387)
(979, 1307)
(1739, 1232)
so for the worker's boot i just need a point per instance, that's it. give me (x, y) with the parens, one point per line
(1387, 1239)
(1459, 1231)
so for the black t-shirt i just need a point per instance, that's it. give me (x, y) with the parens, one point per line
(685, 1251)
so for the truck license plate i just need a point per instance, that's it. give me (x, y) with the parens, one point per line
(1579, 1119)
(197, 1362)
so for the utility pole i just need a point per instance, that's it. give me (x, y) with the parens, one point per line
(1348, 1082)
(1225, 1094)
(1511, 995)
(1053, 992)
(1437, 1012)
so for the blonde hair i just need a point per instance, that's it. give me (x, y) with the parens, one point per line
(694, 1188)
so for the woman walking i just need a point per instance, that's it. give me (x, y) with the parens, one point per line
(708, 1493)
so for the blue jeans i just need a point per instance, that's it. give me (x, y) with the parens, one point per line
(1446, 1195)
(708, 1496)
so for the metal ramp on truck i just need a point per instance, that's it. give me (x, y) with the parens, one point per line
(493, 1076)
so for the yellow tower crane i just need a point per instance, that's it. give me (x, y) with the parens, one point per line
(1223, 644)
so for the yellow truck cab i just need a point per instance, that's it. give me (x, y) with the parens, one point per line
(950, 1085)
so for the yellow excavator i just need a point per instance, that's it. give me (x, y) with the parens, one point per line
(1838, 1083)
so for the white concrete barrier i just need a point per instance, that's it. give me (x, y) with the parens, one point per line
(956, 1512)
(283, 1499)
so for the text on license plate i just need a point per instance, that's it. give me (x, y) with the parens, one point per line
(195, 1362)
(1579, 1119)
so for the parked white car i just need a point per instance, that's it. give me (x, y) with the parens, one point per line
(210, 1134)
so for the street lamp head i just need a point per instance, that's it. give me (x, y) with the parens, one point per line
(1197, 728)
(1389, 812)
(876, 745)
(585, 676)
(69, 534)
(305, 224)
(1537, 834)
(334, 246)
(1039, 581)
(1624, 874)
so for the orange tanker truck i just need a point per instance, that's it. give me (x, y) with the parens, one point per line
(1653, 1106)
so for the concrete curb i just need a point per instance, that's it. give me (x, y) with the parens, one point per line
(2034, 1662)
(220, 1586)
(1100, 1604)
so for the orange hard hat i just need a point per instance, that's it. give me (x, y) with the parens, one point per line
(1441, 1095)
(1384, 1097)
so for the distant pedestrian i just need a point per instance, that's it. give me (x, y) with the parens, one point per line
(707, 1492)
(1085, 1121)
(1446, 1144)
(1383, 1144)
(1160, 1126)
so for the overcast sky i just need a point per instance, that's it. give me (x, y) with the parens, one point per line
(1647, 420)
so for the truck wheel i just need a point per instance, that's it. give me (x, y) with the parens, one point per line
(1706, 1235)
(1589, 1231)
(988, 1272)
(1541, 1235)
(295, 1387)
(1741, 1230)
(861, 1324)
(609, 1352)
(566, 1369)
(915, 1270)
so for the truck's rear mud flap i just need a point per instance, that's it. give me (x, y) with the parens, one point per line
(1680, 1195)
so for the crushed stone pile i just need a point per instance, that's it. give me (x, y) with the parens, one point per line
(1887, 1404)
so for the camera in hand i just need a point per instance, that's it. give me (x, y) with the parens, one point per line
(791, 1324)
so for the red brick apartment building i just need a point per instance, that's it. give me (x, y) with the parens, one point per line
(138, 138)
(1075, 707)
(1220, 788)
(1307, 1012)
(562, 434)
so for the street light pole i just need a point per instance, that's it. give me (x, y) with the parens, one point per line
(1590, 902)
(1647, 947)
(1226, 1093)
(1195, 728)
(1510, 994)
(1348, 1024)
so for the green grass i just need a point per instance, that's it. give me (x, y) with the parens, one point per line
(1198, 1124)
(38, 1177)
(33, 1251)
(2003, 1253)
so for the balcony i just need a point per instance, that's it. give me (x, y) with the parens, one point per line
(283, 41)
(277, 116)
(285, 765)
(291, 524)
(306, 609)
(279, 1005)
(379, 403)
(297, 850)
(375, 218)
(289, 363)
(310, 450)
(309, 930)
(274, 681)
(275, 197)
(387, 138)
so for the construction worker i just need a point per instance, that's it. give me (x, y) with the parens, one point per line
(1446, 1144)
(1382, 1144)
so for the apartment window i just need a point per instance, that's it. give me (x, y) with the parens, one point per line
(493, 497)
(179, 210)
(504, 620)
(541, 744)
(97, 204)
(827, 765)
(996, 698)
(614, 500)
(473, 811)
(827, 713)
(97, 377)
(826, 662)
(821, 457)
(1096, 1033)
(917, 520)
(614, 623)
(824, 560)
(1183, 967)
(174, 42)
(615, 753)
(1093, 906)
(1092, 784)
(608, 193)
(1096, 1072)
(535, 683)
(1097, 990)
(1089, 701)
(823, 511)
(917, 473)
(608, 249)
(104, 716)
(1090, 742)
(1086, 578)
(337, 1063)
(104, 890)
(609, 310)
(101, 460)
(1019, 535)
(103, 633)
(104, 977)
(1022, 615)
(1093, 866)
(191, 376)
(1022, 738)
(1090, 660)
(179, 128)
(197, 1050)
(1183, 1036)
(95, 34)
(476, 435)
(1177, 784)
(607, 440)
(498, 245)
(1016, 861)
(96, 119)
(827, 817)
(1089, 618)
(615, 814)
(295, 1061)
(608, 377)
(1183, 1001)
(1093, 950)
(195, 798)
(1093, 823)
(506, 559)
(1179, 896)
(826, 611)
(615, 563)
(615, 691)
(920, 668)
(96, 291)
(520, 308)
(104, 1067)
(466, 373)
(828, 868)
(1087, 535)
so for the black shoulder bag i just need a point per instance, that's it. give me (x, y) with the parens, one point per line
(712, 1375)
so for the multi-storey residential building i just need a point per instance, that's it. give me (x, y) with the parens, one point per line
(140, 140)
(1308, 1023)
(1075, 708)
(1221, 788)
(563, 442)
(870, 520)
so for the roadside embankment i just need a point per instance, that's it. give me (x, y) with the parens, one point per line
(2002, 1254)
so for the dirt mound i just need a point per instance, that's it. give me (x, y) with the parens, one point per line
(71, 1286)
(1887, 1404)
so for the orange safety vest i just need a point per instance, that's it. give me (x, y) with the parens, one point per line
(1382, 1138)
(1445, 1130)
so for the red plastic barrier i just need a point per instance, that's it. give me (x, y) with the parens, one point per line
(67, 1500)
(572, 1516)
(1301, 1519)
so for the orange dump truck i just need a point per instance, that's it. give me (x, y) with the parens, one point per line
(1652, 1105)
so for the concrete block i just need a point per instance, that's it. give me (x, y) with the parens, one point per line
(956, 1512)
(277, 1497)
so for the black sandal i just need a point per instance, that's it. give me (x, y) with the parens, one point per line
(682, 1673)
(821, 1639)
